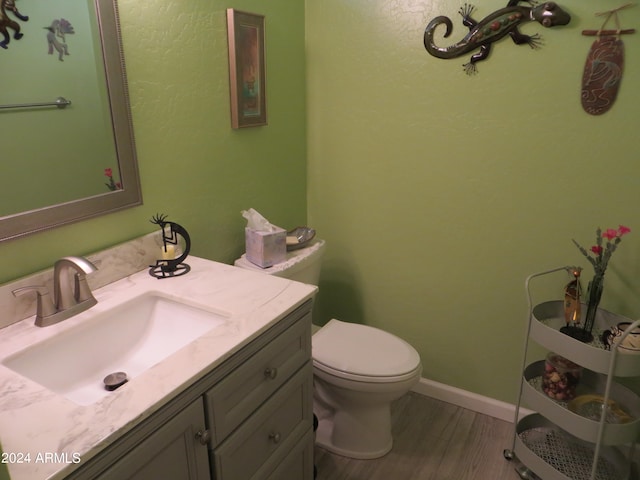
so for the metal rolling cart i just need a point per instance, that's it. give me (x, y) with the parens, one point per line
(583, 438)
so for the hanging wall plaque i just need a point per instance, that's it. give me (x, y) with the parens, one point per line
(604, 66)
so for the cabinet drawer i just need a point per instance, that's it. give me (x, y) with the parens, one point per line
(270, 433)
(240, 393)
(298, 464)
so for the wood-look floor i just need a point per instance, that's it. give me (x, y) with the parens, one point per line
(433, 440)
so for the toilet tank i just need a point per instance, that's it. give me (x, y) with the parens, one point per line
(302, 265)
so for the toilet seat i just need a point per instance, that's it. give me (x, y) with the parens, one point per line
(363, 353)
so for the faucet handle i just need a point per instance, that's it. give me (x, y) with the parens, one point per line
(45, 306)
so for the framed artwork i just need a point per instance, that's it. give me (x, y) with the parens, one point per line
(247, 76)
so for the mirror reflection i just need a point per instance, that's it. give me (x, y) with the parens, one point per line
(64, 161)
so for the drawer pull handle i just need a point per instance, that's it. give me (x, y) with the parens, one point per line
(274, 437)
(271, 373)
(203, 436)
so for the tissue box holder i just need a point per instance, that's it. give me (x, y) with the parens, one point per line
(265, 249)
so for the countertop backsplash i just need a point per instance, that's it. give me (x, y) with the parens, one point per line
(113, 264)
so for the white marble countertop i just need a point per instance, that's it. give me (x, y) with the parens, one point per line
(39, 423)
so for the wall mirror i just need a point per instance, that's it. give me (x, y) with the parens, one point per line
(56, 156)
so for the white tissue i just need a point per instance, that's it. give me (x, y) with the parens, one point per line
(257, 222)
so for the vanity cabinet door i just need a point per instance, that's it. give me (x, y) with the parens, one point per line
(174, 451)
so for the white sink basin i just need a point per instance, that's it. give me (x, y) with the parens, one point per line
(130, 338)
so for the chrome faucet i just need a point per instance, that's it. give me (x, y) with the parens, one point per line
(71, 292)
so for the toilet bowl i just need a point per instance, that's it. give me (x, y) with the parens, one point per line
(358, 371)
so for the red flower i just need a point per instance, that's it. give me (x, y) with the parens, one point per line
(112, 185)
(623, 230)
(597, 249)
(603, 252)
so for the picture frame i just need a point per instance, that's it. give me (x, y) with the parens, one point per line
(247, 71)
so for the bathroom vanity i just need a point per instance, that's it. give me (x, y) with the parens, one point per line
(235, 403)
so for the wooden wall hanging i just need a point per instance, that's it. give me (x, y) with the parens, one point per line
(604, 66)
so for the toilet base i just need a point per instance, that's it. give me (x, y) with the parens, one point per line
(323, 441)
(364, 436)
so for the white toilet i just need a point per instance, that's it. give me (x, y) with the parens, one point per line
(358, 370)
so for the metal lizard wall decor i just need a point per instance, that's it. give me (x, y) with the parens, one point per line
(492, 28)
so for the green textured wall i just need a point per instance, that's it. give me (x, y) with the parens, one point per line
(193, 166)
(438, 193)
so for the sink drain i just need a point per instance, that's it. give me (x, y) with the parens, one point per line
(115, 380)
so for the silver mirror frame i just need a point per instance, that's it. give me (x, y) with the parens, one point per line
(33, 221)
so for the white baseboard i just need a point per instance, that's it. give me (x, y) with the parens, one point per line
(469, 400)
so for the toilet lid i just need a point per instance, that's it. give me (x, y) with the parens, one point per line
(363, 350)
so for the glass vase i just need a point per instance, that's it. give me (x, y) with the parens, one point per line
(594, 294)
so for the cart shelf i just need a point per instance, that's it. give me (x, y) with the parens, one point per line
(556, 455)
(622, 420)
(545, 330)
